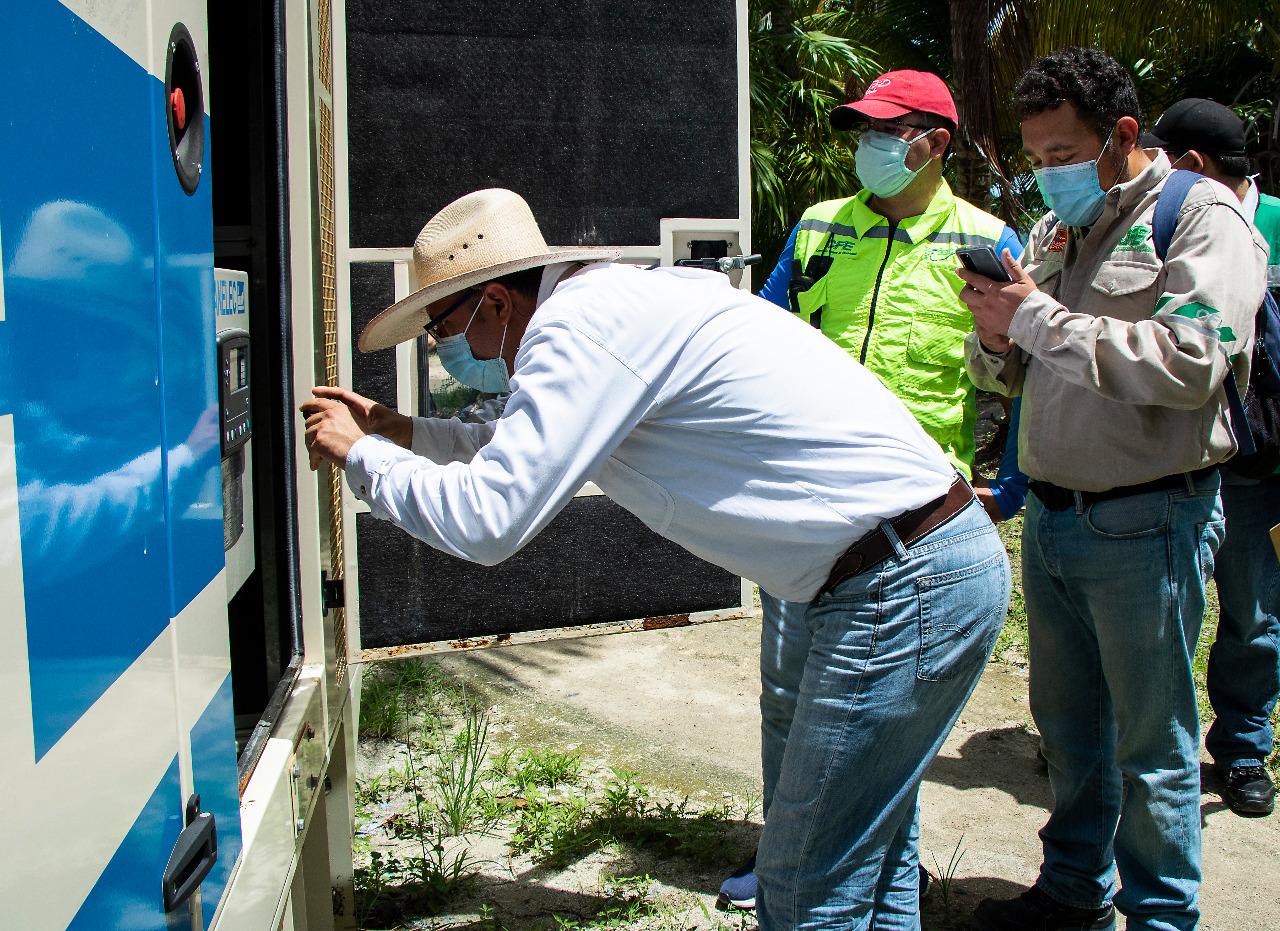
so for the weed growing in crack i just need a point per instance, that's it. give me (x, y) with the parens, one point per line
(419, 818)
(390, 887)
(947, 875)
(440, 779)
(459, 763)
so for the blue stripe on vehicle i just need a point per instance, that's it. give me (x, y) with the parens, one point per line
(78, 357)
(213, 758)
(185, 294)
(127, 894)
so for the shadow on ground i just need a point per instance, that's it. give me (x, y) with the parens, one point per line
(581, 885)
(951, 908)
(1003, 758)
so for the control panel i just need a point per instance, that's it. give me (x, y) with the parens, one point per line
(233, 389)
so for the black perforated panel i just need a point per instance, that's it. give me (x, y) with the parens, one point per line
(594, 563)
(605, 116)
(373, 288)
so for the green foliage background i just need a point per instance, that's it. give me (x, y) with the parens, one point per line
(807, 56)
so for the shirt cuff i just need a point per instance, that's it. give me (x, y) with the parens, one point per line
(1029, 319)
(980, 350)
(367, 463)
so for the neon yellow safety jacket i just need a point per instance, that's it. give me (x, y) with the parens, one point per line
(891, 298)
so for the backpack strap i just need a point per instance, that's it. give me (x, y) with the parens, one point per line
(1168, 205)
(1266, 353)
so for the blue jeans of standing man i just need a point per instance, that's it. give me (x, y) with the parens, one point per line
(1115, 596)
(859, 689)
(1244, 665)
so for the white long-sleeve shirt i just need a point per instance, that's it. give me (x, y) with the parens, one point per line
(740, 433)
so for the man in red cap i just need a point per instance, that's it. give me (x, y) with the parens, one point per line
(876, 272)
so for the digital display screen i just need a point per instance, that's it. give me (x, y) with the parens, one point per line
(238, 368)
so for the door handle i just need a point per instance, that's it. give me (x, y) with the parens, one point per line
(193, 856)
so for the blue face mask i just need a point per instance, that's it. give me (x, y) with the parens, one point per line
(487, 375)
(1073, 192)
(881, 162)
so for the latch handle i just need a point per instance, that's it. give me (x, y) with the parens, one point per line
(192, 858)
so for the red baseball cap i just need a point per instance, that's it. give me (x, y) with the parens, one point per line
(897, 93)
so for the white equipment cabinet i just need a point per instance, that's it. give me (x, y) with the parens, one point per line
(184, 606)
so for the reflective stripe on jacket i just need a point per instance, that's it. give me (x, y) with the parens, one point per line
(891, 299)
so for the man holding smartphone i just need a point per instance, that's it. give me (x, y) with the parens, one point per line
(1119, 357)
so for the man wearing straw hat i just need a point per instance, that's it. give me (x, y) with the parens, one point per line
(675, 393)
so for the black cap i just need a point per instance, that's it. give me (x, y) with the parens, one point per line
(1196, 123)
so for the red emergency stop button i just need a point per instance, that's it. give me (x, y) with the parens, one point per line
(178, 104)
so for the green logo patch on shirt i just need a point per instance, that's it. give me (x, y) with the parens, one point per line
(1135, 240)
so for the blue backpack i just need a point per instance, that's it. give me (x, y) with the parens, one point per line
(1255, 414)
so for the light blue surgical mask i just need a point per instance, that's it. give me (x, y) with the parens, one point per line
(881, 162)
(487, 375)
(1073, 192)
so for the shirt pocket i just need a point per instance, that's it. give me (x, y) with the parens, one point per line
(937, 338)
(637, 493)
(1119, 277)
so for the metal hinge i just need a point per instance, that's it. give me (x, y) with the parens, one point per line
(333, 593)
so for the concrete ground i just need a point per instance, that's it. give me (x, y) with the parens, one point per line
(679, 706)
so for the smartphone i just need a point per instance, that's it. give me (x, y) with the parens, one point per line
(984, 261)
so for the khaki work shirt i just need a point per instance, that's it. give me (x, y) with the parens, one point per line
(1120, 358)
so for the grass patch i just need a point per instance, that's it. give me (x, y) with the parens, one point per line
(624, 813)
(433, 796)
(396, 692)
(525, 770)
(1011, 646)
(459, 760)
(444, 791)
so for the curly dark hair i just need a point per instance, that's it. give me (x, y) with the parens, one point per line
(1096, 84)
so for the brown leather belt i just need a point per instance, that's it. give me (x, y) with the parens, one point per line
(875, 547)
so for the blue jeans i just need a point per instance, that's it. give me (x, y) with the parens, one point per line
(1115, 596)
(1244, 665)
(859, 689)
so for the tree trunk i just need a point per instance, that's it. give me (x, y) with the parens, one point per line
(971, 68)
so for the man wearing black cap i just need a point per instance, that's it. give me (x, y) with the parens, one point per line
(1244, 665)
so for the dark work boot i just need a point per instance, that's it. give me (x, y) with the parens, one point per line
(1250, 791)
(1035, 911)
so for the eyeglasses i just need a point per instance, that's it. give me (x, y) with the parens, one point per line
(892, 127)
(432, 326)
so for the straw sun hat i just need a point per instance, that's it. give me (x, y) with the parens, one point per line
(475, 239)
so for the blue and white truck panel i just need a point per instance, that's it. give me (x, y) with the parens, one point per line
(114, 673)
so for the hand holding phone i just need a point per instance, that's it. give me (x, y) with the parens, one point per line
(983, 260)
